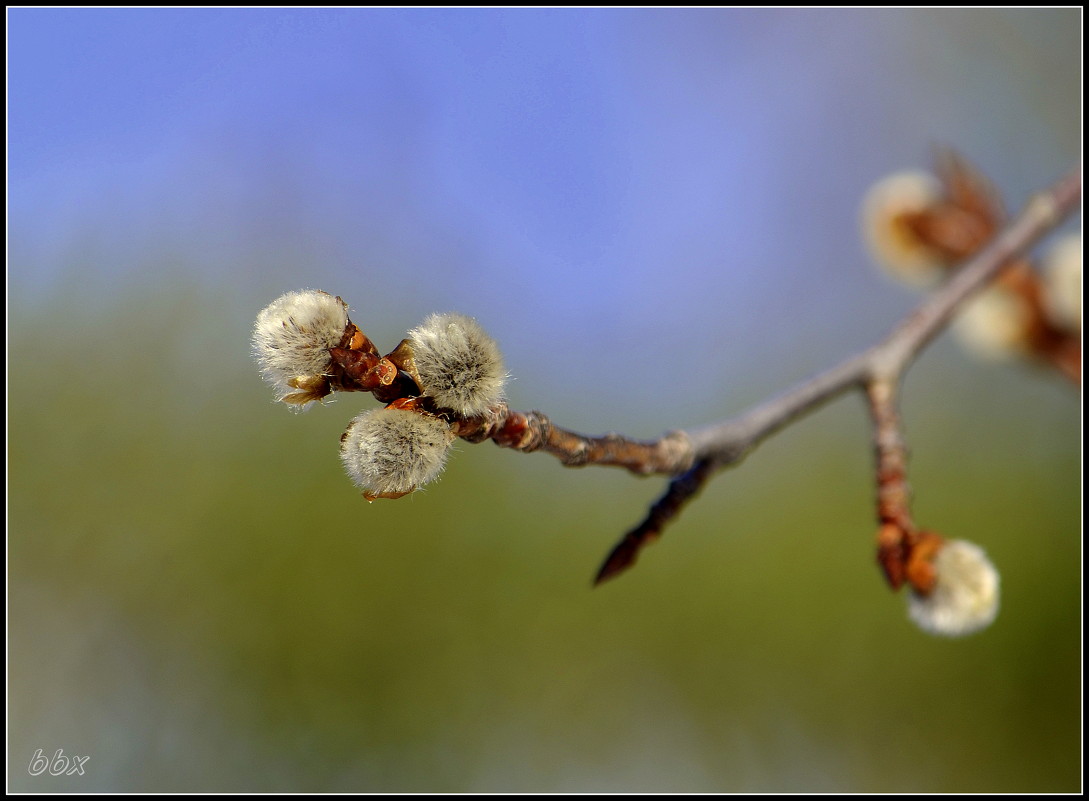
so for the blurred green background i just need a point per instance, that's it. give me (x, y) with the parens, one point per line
(200, 601)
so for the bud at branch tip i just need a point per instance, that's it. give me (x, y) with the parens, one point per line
(291, 342)
(457, 364)
(964, 598)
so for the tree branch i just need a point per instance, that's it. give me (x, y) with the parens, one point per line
(694, 455)
(730, 440)
(449, 372)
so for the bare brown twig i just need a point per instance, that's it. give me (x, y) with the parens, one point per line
(693, 456)
(949, 228)
(533, 431)
(681, 490)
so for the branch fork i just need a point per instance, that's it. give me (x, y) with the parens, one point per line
(411, 380)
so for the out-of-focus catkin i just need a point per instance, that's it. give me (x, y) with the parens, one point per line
(994, 324)
(892, 243)
(964, 598)
(1062, 283)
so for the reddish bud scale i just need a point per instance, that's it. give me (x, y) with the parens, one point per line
(969, 217)
(953, 233)
(411, 405)
(1043, 338)
(515, 433)
(354, 339)
(919, 569)
(367, 371)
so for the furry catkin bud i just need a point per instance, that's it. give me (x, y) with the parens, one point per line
(964, 598)
(291, 342)
(892, 242)
(1062, 283)
(994, 324)
(458, 364)
(390, 452)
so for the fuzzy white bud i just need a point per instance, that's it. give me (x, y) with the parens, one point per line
(994, 324)
(892, 244)
(1062, 283)
(458, 364)
(391, 452)
(964, 598)
(292, 337)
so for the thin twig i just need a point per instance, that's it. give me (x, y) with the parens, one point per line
(533, 431)
(896, 532)
(728, 441)
(725, 443)
(1042, 214)
(681, 490)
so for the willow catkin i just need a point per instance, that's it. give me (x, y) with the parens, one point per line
(459, 365)
(964, 597)
(293, 335)
(395, 451)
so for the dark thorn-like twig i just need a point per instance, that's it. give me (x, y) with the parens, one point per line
(681, 490)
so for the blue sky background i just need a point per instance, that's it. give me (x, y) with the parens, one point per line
(564, 175)
(655, 213)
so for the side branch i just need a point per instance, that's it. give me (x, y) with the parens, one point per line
(445, 380)
(693, 456)
(1043, 214)
(728, 441)
(681, 490)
